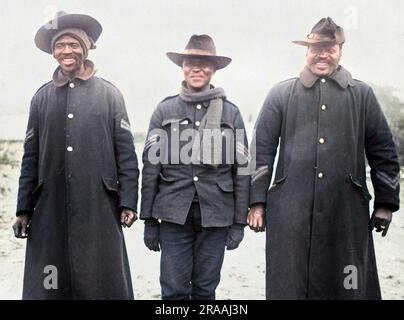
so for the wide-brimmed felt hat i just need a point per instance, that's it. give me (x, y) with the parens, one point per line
(325, 31)
(200, 46)
(63, 20)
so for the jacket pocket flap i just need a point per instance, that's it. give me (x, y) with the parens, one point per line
(167, 179)
(226, 125)
(37, 191)
(174, 121)
(225, 184)
(110, 184)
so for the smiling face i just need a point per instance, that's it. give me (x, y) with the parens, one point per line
(323, 59)
(69, 53)
(197, 72)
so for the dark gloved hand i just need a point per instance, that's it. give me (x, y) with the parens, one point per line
(21, 226)
(151, 234)
(235, 236)
(381, 219)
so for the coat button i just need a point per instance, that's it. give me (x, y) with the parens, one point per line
(323, 107)
(321, 175)
(69, 148)
(196, 178)
(321, 140)
(323, 80)
(199, 107)
(71, 85)
(70, 116)
(197, 123)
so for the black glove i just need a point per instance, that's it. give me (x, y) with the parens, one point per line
(21, 225)
(235, 235)
(381, 219)
(151, 234)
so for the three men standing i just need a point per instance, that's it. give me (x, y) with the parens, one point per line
(317, 210)
(79, 174)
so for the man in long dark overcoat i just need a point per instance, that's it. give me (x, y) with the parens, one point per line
(323, 123)
(79, 175)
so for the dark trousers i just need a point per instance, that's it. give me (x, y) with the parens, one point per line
(191, 258)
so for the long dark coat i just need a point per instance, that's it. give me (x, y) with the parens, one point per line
(318, 205)
(78, 170)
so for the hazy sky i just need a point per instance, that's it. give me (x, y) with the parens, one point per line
(256, 34)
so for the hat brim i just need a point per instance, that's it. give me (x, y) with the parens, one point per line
(45, 34)
(307, 43)
(220, 62)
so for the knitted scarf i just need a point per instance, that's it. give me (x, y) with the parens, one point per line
(204, 150)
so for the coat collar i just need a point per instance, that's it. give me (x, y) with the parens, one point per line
(60, 79)
(341, 76)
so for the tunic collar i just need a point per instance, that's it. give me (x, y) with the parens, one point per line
(60, 79)
(341, 76)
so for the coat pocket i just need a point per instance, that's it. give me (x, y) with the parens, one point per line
(277, 182)
(358, 186)
(164, 178)
(225, 185)
(111, 186)
(38, 189)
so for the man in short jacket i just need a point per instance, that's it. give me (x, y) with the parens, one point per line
(195, 186)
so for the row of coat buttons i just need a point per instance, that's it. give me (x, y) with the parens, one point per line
(322, 140)
(70, 116)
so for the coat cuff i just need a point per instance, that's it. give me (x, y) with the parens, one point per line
(256, 198)
(123, 205)
(391, 206)
(22, 212)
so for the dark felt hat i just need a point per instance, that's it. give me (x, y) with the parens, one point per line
(200, 46)
(62, 20)
(325, 31)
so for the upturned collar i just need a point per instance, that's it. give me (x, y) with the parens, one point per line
(60, 79)
(341, 76)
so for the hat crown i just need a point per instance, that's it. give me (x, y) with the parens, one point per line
(201, 43)
(327, 27)
(60, 14)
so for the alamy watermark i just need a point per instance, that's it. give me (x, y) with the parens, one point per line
(207, 146)
(50, 281)
(351, 280)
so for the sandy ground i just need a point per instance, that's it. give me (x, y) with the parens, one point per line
(243, 273)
